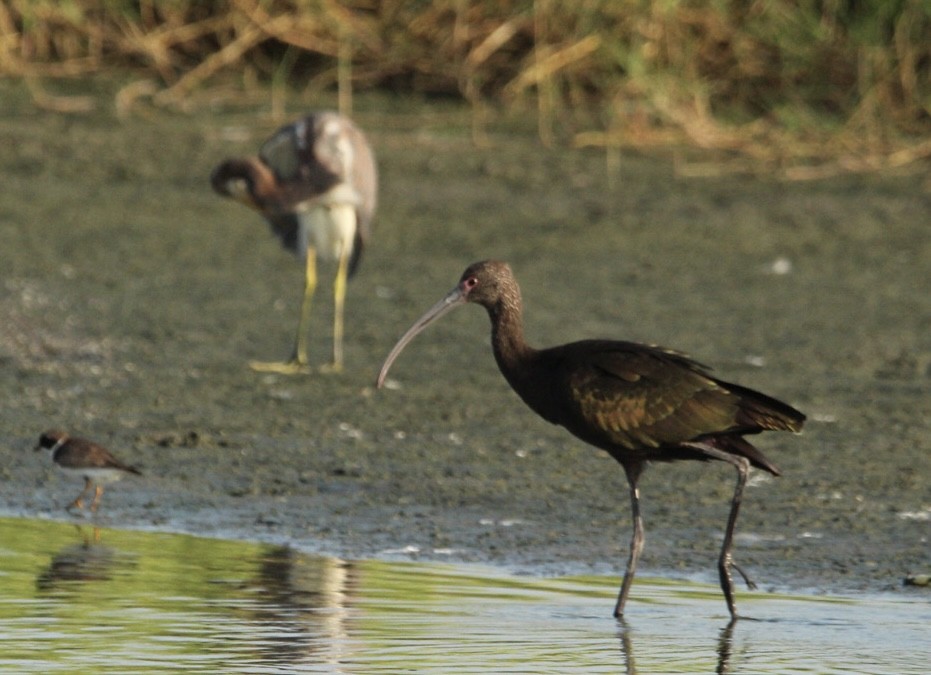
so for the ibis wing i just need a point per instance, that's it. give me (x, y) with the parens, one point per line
(645, 397)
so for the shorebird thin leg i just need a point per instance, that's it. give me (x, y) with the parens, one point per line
(98, 492)
(78, 502)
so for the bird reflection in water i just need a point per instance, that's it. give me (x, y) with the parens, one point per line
(725, 642)
(88, 561)
(724, 647)
(301, 607)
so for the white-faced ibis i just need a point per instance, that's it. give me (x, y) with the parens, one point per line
(316, 183)
(639, 403)
(81, 457)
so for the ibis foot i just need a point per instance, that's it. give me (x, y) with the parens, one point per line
(751, 584)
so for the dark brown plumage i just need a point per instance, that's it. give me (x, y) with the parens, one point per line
(639, 403)
(316, 183)
(85, 458)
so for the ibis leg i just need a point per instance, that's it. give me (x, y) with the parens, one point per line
(725, 560)
(636, 541)
(298, 361)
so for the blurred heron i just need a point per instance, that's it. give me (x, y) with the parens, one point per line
(316, 183)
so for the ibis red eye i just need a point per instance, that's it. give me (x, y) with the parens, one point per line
(470, 283)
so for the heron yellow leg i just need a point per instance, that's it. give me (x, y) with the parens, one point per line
(298, 362)
(310, 286)
(339, 301)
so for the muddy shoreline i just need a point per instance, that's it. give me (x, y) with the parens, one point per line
(133, 299)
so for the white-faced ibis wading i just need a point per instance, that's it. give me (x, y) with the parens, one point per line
(316, 183)
(637, 402)
(81, 457)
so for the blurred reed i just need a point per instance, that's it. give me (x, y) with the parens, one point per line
(802, 88)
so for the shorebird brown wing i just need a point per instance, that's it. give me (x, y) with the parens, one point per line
(79, 453)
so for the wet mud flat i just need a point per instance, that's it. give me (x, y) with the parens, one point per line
(133, 299)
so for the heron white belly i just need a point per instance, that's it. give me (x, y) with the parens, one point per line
(328, 228)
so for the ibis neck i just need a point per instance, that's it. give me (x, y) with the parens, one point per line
(507, 336)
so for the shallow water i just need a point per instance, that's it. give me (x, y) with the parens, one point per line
(80, 599)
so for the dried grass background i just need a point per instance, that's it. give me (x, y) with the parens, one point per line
(799, 88)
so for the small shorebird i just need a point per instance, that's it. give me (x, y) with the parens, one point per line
(316, 184)
(78, 456)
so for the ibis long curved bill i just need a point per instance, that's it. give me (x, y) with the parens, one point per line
(454, 298)
(639, 403)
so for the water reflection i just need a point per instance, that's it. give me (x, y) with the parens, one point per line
(98, 600)
(630, 664)
(87, 561)
(724, 646)
(725, 641)
(303, 606)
